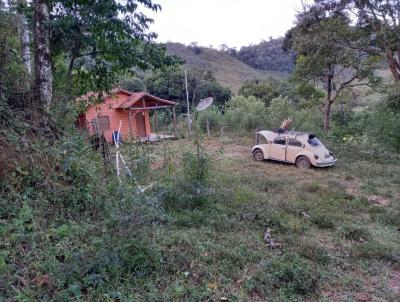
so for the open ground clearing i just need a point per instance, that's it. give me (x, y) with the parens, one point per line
(336, 230)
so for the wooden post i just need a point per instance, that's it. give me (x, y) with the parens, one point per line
(164, 145)
(156, 120)
(187, 104)
(256, 138)
(174, 120)
(130, 126)
(208, 129)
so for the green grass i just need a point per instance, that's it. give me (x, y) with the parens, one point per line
(327, 236)
(188, 242)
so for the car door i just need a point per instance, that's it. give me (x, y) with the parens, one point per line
(293, 148)
(277, 150)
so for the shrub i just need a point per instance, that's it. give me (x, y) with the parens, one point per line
(212, 115)
(281, 108)
(313, 251)
(355, 232)
(245, 113)
(295, 273)
(376, 250)
(193, 189)
(289, 275)
(196, 164)
(323, 220)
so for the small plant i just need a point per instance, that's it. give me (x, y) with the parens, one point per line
(196, 164)
(323, 220)
(355, 233)
(289, 275)
(376, 250)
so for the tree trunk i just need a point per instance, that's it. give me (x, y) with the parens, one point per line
(327, 109)
(43, 71)
(24, 36)
(394, 65)
(327, 116)
(69, 76)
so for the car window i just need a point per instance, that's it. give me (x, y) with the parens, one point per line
(294, 142)
(280, 141)
(262, 140)
(314, 142)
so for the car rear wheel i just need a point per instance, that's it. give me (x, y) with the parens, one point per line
(303, 162)
(258, 155)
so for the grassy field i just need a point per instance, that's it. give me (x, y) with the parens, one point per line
(220, 227)
(336, 231)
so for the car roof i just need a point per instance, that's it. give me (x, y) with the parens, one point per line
(270, 135)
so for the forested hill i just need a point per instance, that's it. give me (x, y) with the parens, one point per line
(228, 70)
(267, 55)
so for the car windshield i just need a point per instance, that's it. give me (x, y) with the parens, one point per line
(314, 142)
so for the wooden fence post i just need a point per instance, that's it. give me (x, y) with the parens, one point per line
(208, 129)
(174, 120)
(256, 138)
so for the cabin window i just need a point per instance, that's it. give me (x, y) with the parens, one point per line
(294, 142)
(104, 123)
(280, 141)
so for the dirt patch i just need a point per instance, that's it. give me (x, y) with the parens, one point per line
(236, 151)
(157, 165)
(228, 151)
(378, 200)
(394, 281)
(353, 188)
(363, 297)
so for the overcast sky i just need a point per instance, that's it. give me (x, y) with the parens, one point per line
(214, 22)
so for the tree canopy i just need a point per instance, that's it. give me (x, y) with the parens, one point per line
(375, 24)
(265, 90)
(170, 84)
(102, 39)
(323, 61)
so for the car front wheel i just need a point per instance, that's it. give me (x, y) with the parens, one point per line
(258, 155)
(303, 162)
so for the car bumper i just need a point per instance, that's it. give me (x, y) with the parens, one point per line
(326, 163)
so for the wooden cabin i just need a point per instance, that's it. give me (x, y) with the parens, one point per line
(131, 110)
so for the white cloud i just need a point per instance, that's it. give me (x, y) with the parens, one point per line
(215, 22)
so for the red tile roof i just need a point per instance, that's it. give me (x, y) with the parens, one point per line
(136, 96)
(132, 99)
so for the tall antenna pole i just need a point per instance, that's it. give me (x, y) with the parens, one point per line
(187, 105)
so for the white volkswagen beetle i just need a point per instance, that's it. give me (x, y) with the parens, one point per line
(300, 148)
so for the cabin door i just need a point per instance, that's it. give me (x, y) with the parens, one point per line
(140, 124)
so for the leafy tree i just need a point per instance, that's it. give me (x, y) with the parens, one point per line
(133, 84)
(170, 84)
(376, 27)
(101, 39)
(324, 62)
(13, 75)
(265, 90)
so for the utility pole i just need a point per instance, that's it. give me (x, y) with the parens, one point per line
(187, 105)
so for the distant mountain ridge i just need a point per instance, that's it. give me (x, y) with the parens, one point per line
(225, 65)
